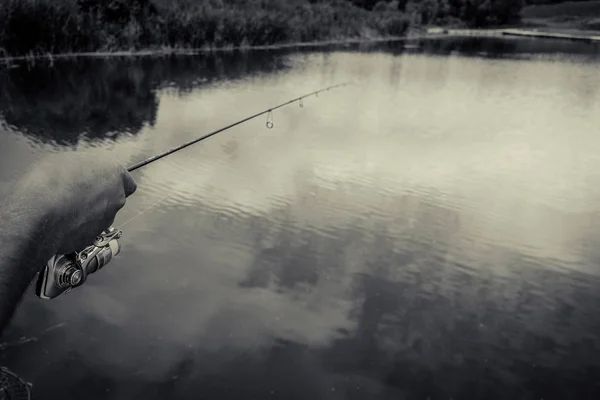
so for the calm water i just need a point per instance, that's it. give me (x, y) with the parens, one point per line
(430, 232)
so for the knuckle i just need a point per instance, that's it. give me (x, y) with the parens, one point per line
(133, 184)
(129, 184)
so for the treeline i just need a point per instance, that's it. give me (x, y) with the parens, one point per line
(470, 13)
(59, 26)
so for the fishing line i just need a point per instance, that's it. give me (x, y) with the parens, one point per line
(146, 209)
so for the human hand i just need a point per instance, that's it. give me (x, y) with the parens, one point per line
(77, 197)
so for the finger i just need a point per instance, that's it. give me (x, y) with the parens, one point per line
(129, 184)
(109, 222)
(75, 243)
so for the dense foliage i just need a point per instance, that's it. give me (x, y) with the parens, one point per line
(58, 26)
(562, 10)
(473, 13)
(570, 15)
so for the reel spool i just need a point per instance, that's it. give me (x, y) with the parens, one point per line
(12, 387)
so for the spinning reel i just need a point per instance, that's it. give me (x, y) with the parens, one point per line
(63, 272)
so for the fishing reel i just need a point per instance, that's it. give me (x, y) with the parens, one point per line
(63, 272)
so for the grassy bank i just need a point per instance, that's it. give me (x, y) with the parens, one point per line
(564, 17)
(70, 26)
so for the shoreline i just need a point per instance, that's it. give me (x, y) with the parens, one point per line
(426, 33)
(549, 34)
(523, 31)
(191, 51)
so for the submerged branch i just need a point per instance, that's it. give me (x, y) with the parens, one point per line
(24, 339)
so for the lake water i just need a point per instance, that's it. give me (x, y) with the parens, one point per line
(429, 232)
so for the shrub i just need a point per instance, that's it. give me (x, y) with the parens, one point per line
(395, 25)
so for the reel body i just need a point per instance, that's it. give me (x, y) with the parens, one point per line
(63, 272)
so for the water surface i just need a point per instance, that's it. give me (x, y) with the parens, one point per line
(428, 232)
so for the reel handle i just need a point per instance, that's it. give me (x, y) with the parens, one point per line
(64, 272)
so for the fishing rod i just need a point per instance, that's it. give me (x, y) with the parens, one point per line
(201, 138)
(64, 272)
